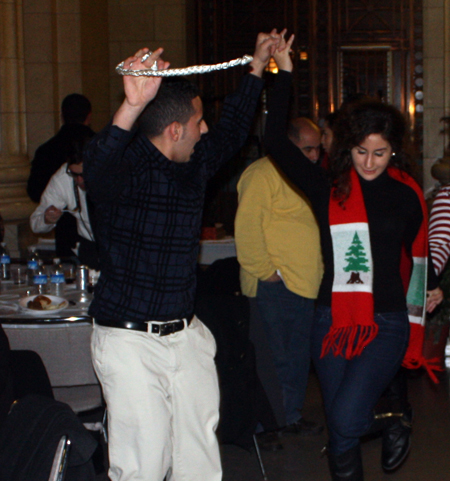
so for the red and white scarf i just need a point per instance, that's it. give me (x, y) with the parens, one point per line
(352, 308)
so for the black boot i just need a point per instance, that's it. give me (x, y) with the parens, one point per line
(346, 466)
(396, 442)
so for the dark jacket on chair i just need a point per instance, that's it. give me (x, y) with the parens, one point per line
(30, 435)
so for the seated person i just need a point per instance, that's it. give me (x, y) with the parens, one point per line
(66, 192)
(76, 113)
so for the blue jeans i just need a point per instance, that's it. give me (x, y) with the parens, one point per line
(287, 318)
(352, 388)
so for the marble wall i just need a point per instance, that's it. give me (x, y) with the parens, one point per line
(79, 44)
(51, 48)
(148, 23)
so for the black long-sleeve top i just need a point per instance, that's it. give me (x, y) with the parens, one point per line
(148, 213)
(393, 209)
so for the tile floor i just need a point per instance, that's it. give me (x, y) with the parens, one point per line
(300, 460)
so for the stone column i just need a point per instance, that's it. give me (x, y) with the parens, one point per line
(15, 206)
(436, 18)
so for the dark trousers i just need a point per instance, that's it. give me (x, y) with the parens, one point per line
(351, 388)
(287, 318)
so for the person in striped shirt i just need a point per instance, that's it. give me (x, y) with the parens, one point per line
(439, 228)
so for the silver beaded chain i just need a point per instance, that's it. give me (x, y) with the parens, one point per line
(172, 72)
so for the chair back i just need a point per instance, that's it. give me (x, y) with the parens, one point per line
(59, 465)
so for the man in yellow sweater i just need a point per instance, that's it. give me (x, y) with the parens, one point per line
(278, 248)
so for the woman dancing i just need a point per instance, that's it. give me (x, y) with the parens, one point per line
(367, 212)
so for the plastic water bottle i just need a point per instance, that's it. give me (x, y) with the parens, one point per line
(33, 265)
(57, 279)
(5, 261)
(40, 280)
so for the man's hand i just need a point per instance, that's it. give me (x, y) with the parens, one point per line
(434, 297)
(52, 215)
(281, 55)
(139, 91)
(273, 278)
(266, 43)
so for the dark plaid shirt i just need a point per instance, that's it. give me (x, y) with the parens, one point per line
(149, 209)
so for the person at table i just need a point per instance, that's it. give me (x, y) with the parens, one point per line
(66, 192)
(155, 361)
(366, 212)
(76, 114)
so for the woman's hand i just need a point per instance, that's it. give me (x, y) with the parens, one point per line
(434, 298)
(266, 44)
(282, 53)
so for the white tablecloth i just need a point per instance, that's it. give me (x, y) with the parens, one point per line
(212, 250)
(62, 341)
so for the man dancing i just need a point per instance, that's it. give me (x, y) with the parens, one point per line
(154, 360)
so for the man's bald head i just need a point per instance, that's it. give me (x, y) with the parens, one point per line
(305, 134)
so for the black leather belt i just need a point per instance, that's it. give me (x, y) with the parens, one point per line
(155, 327)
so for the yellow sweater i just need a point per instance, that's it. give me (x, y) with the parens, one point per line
(275, 229)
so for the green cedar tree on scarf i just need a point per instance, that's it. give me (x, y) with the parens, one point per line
(352, 305)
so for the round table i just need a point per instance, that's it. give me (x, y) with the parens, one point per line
(62, 340)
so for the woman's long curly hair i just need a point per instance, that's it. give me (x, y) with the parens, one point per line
(353, 126)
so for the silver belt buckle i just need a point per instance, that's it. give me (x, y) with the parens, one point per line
(166, 328)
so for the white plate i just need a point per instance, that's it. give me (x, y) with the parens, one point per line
(56, 301)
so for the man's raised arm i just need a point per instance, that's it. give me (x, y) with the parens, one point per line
(105, 173)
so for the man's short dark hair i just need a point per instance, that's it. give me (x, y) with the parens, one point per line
(75, 108)
(173, 103)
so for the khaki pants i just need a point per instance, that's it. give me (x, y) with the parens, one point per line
(162, 396)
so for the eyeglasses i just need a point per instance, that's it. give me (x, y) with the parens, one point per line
(74, 175)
